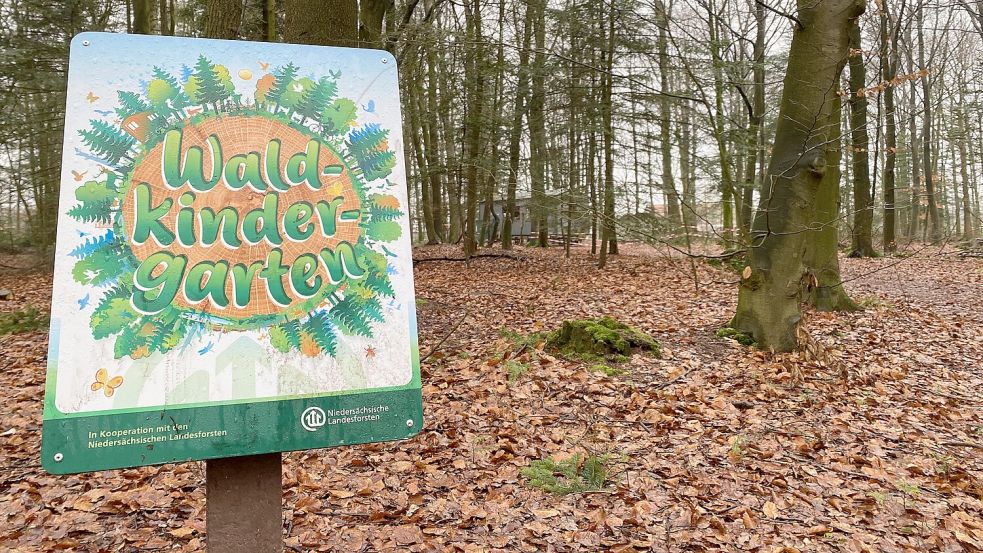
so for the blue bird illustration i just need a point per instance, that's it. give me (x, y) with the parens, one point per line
(208, 347)
(84, 302)
(104, 112)
(370, 107)
(83, 233)
(334, 74)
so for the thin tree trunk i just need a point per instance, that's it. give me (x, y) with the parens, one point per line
(890, 54)
(860, 144)
(537, 124)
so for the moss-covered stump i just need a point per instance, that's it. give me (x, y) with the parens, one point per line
(603, 338)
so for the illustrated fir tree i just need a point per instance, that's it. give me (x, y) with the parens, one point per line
(284, 76)
(370, 146)
(316, 99)
(107, 141)
(166, 95)
(130, 103)
(206, 88)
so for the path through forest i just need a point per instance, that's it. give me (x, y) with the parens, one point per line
(714, 446)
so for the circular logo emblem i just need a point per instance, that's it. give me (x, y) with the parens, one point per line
(312, 418)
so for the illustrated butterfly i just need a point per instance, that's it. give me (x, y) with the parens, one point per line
(91, 97)
(106, 384)
(263, 65)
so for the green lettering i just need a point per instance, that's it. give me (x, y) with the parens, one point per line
(261, 223)
(303, 166)
(207, 280)
(227, 220)
(341, 262)
(155, 292)
(185, 224)
(193, 170)
(242, 282)
(302, 270)
(327, 212)
(272, 166)
(273, 275)
(242, 170)
(296, 216)
(146, 219)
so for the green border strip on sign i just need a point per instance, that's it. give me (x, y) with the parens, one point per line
(82, 444)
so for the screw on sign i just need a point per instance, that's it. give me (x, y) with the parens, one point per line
(240, 241)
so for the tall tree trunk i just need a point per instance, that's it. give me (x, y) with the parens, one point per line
(890, 56)
(969, 230)
(665, 112)
(269, 20)
(755, 119)
(934, 225)
(143, 17)
(826, 292)
(371, 15)
(515, 135)
(770, 292)
(537, 124)
(914, 214)
(223, 18)
(607, 107)
(863, 206)
(474, 67)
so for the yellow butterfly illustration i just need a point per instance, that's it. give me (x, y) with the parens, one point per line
(107, 386)
(91, 97)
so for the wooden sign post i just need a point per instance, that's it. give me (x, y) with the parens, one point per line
(233, 273)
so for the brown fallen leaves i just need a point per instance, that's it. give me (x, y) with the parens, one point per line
(719, 447)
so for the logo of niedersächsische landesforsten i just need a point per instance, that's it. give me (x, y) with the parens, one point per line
(219, 214)
(313, 418)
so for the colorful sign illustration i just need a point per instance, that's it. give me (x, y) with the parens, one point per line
(233, 268)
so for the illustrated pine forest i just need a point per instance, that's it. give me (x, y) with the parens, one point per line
(699, 275)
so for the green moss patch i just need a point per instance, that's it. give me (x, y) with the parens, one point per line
(599, 340)
(736, 335)
(576, 474)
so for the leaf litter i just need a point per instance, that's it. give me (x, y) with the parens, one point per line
(869, 439)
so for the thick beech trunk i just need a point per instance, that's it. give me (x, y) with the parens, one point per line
(772, 284)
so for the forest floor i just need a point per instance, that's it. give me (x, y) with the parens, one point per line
(715, 446)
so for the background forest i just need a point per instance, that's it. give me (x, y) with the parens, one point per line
(538, 120)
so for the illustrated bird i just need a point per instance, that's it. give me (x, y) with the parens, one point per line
(91, 97)
(334, 74)
(83, 234)
(78, 176)
(104, 112)
(84, 302)
(369, 353)
(208, 347)
(389, 253)
(391, 270)
(264, 65)
(370, 107)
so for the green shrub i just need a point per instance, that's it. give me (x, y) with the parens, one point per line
(25, 320)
